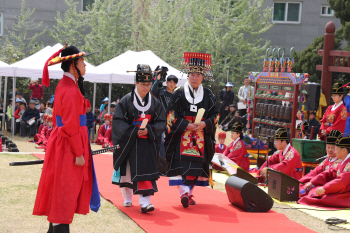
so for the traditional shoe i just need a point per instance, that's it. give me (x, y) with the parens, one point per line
(191, 201)
(61, 228)
(185, 200)
(50, 228)
(148, 208)
(127, 204)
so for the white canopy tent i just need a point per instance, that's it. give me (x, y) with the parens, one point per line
(128, 62)
(5, 70)
(32, 67)
(112, 71)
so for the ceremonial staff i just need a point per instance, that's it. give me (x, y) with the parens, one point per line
(95, 152)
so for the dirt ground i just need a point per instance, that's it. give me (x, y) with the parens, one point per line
(18, 189)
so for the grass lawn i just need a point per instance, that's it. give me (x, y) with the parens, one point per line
(18, 187)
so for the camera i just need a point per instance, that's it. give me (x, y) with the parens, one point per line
(162, 71)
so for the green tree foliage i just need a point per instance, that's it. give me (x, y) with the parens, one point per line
(228, 30)
(342, 11)
(306, 60)
(18, 44)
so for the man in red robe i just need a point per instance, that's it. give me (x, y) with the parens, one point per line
(335, 116)
(237, 151)
(107, 140)
(221, 147)
(103, 129)
(331, 188)
(43, 124)
(330, 161)
(48, 132)
(38, 138)
(287, 160)
(68, 182)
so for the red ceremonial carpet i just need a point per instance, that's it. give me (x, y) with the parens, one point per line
(212, 213)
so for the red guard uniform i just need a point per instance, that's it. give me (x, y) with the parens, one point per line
(107, 140)
(102, 130)
(336, 183)
(334, 118)
(220, 148)
(39, 138)
(325, 165)
(288, 162)
(64, 188)
(237, 152)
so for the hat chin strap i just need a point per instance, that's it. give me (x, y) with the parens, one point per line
(80, 80)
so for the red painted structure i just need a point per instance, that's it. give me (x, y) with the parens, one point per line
(333, 61)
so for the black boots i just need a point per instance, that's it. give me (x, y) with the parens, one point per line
(61, 228)
(50, 228)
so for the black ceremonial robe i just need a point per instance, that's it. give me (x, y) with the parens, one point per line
(190, 153)
(135, 162)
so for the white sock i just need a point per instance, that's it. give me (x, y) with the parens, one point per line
(127, 194)
(55, 224)
(183, 189)
(144, 201)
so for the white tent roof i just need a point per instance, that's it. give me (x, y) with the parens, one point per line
(5, 69)
(129, 60)
(32, 67)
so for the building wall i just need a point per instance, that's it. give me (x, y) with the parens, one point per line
(286, 35)
(302, 34)
(45, 10)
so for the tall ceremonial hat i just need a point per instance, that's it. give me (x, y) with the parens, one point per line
(222, 135)
(281, 134)
(299, 127)
(237, 127)
(197, 63)
(107, 116)
(143, 73)
(45, 117)
(333, 136)
(49, 118)
(338, 89)
(68, 53)
(343, 142)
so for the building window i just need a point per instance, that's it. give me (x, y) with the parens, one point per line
(86, 4)
(286, 12)
(1, 23)
(326, 11)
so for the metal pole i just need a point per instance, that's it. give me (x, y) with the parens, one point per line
(228, 72)
(94, 99)
(13, 106)
(93, 107)
(5, 104)
(109, 95)
(3, 108)
(0, 84)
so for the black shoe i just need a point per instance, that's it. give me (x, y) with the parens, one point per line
(185, 200)
(50, 228)
(61, 228)
(148, 208)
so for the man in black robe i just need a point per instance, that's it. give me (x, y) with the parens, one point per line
(226, 98)
(135, 159)
(190, 146)
(313, 122)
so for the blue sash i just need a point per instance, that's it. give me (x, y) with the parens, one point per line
(95, 201)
